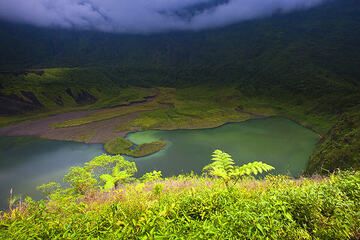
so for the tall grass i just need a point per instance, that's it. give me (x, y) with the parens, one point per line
(194, 207)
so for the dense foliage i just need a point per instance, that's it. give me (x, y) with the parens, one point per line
(341, 146)
(186, 207)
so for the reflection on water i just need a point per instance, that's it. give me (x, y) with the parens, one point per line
(29, 162)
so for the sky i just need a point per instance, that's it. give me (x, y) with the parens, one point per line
(143, 16)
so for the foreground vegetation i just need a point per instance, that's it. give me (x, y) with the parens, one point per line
(105, 201)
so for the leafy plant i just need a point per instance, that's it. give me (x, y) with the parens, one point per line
(158, 188)
(80, 179)
(151, 176)
(223, 167)
(121, 170)
(49, 188)
(120, 174)
(13, 199)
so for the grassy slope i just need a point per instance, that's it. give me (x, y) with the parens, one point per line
(198, 208)
(341, 146)
(202, 107)
(52, 86)
(193, 107)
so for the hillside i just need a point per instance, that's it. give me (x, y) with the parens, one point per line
(323, 46)
(302, 65)
(308, 53)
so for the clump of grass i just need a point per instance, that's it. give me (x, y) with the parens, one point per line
(123, 146)
(118, 145)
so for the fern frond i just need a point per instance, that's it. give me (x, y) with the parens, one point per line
(223, 167)
(223, 160)
(109, 181)
(253, 168)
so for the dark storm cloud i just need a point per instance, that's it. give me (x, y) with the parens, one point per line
(142, 15)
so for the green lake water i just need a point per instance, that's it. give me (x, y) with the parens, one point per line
(279, 142)
(28, 162)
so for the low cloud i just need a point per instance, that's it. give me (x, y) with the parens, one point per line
(143, 16)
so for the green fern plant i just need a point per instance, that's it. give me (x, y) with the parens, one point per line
(117, 176)
(111, 170)
(122, 172)
(223, 166)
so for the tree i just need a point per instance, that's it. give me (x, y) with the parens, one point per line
(49, 188)
(112, 170)
(80, 179)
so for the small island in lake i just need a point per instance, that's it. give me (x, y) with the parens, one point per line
(123, 146)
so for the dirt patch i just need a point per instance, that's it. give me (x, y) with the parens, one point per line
(94, 132)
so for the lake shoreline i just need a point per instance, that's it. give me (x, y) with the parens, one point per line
(21, 130)
(227, 123)
(247, 141)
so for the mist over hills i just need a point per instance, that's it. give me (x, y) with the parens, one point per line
(142, 16)
(320, 44)
(312, 53)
